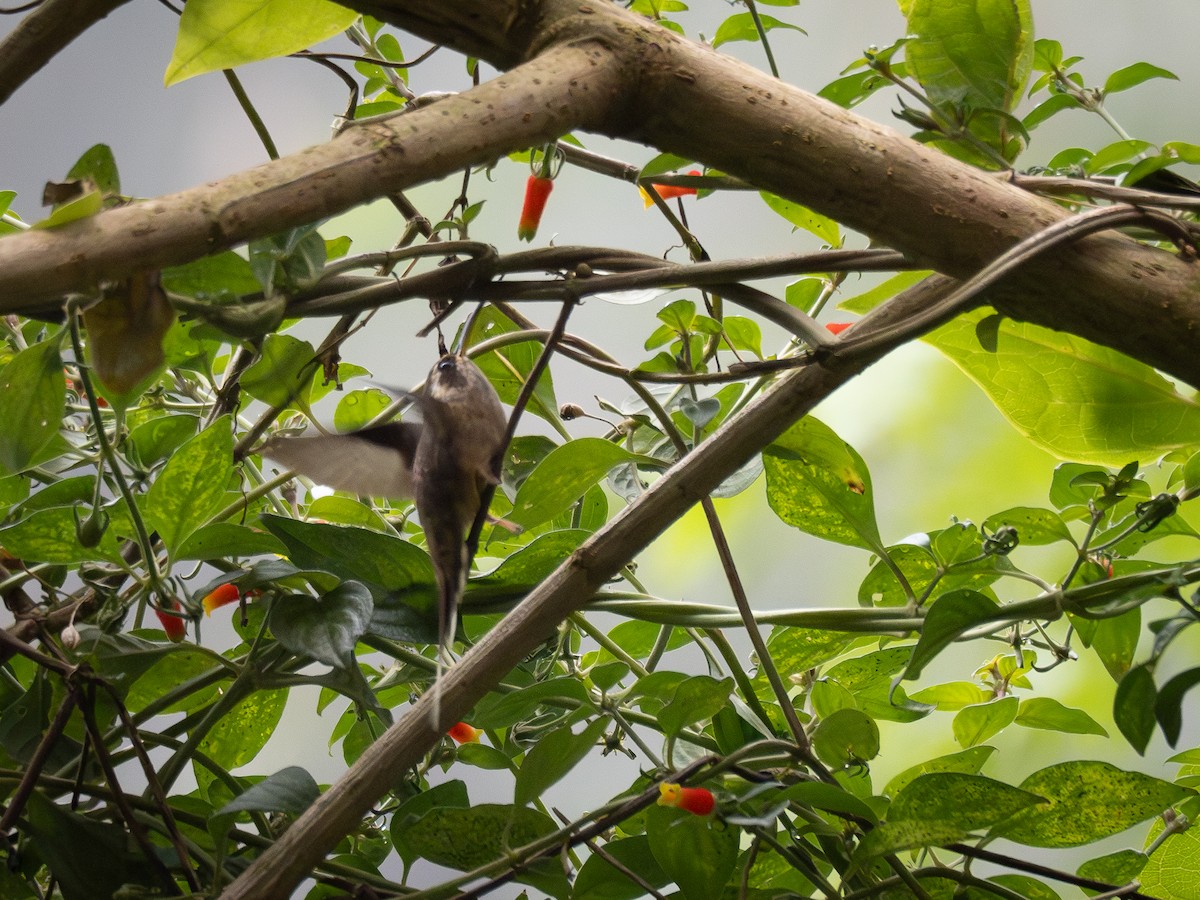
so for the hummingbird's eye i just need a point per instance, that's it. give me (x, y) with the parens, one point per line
(445, 365)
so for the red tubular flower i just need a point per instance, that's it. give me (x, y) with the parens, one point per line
(221, 595)
(537, 189)
(697, 801)
(462, 733)
(174, 626)
(837, 327)
(667, 191)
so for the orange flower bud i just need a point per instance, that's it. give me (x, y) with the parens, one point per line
(174, 626)
(221, 595)
(698, 801)
(667, 191)
(462, 733)
(537, 189)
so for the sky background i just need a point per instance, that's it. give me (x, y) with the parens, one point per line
(935, 447)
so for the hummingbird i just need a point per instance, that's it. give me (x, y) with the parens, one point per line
(443, 463)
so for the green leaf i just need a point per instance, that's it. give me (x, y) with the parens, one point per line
(830, 798)
(664, 162)
(744, 334)
(949, 616)
(1133, 707)
(1075, 399)
(89, 859)
(818, 483)
(1048, 714)
(599, 880)
(942, 807)
(564, 475)
(228, 539)
(802, 217)
(967, 762)
(1120, 867)
(975, 724)
(796, 650)
(353, 553)
(100, 166)
(290, 790)
(503, 711)
(1115, 640)
(696, 699)
(974, 53)
(1034, 526)
(465, 839)
(525, 569)
(218, 34)
(509, 367)
(847, 737)
(483, 757)
(327, 628)
(158, 438)
(696, 855)
(282, 374)
(741, 27)
(1130, 76)
(449, 794)
(82, 207)
(1087, 800)
(552, 757)
(1168, 706)
(191, 488)
(33, 398)
(359, 408)
(49, 536)
(1171, 871)
(241, 733)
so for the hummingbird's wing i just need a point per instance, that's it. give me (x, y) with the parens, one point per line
(375, 461)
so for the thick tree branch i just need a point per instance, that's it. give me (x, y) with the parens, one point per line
(935, 210)
(569, 87)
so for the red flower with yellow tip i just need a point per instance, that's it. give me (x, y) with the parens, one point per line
(696, 800)
(667, 191)
(462, 733)
(221, 595)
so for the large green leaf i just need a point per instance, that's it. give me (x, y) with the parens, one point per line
(191, 488)
(948, 617)
(942, 807)
(973, 53)
(508, 368)
(600, 880)
(465, 839)
(818, 483)
(221, 34)
(968, 762)
(243, 731)
(89, 859)
(695, 853)
(564, 475)
(49, 536)
(552, 757)
(356, 553)
(1087, 800)
(1075, 399)
(327, 628)
(290, 790)
(33, 397)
